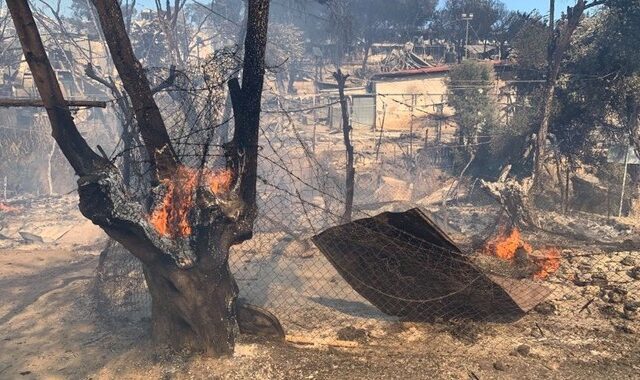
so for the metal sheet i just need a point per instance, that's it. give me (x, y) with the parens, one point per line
(364, 111)
(408, 267)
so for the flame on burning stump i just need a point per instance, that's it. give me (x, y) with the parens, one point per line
(8, 209)
(170, 216)
(510, 247)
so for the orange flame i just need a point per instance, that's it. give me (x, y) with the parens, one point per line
(549, 264)
(171, 216)
(8, 209)
(220, 182)
(505, 246)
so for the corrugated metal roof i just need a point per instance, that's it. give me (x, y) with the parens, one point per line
(412, 72)
(426, 71)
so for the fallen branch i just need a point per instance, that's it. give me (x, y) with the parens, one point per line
(304, 340)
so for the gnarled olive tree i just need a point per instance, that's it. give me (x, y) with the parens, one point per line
(183, 237)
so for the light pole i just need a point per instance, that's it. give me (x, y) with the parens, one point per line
(467, 17)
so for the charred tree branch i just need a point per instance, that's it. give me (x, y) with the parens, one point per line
(346, 133)
(168, 82)
(242, 151)
(150, 123)
(14, 102)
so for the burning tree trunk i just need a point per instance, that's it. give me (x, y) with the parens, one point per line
(346, 133)
(183, 240)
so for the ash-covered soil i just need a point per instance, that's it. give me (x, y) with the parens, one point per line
(50, 329)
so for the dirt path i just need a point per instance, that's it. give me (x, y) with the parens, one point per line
(47, 327)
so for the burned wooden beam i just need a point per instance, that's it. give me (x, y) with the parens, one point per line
(408, 267)
(28, 102)
(63, 129)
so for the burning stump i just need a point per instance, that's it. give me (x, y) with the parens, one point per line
(406, 266)
(509, 254)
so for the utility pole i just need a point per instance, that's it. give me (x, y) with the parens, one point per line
(467, 17)
(552, 21)
(624, 179)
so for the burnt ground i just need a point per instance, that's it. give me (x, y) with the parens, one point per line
(49, 329)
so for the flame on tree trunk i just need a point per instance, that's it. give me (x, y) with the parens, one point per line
(171, 216)
(184, 241)
(193, 292)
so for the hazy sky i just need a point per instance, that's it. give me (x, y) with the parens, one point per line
(541, 5)
(522, 5)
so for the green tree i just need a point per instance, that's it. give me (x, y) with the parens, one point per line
(470, 85)
(512, 27)
(449, 25)
(605, 70)
(599, 100)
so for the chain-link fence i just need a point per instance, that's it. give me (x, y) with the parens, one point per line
(457, 262)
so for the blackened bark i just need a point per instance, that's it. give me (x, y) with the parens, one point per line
(150, 123)
(194, 309)
(346, 134)
(242, 151)
(196, 321)
(223, 130)
(193, 292)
